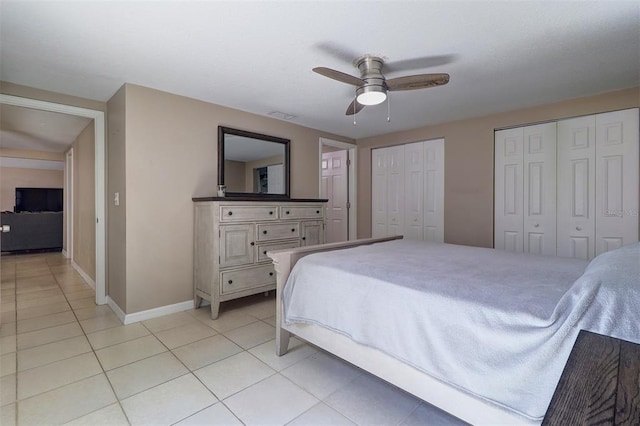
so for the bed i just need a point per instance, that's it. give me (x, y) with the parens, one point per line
(480, 333)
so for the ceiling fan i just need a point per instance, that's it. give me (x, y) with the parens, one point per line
(372, 86)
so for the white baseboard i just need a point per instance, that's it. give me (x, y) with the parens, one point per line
(84, 275)
(65, 254)
(156, 312)
(116, 309)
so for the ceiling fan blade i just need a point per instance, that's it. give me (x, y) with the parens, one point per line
(419, 81)
(340, 76)
(358, 107)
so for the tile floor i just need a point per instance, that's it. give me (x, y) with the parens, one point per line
(65, 360)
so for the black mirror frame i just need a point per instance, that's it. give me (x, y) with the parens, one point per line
(222, 130)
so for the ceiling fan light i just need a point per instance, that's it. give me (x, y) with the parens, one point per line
(371, 95)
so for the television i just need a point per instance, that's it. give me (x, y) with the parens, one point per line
(38, 200)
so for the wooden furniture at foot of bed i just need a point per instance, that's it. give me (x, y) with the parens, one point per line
(599, 385)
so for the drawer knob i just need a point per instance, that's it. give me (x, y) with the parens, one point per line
(270, 212)
(287, 211)
(252, 243)
(578, 228)
(230, 213)
(270, 274)
(317, 211)
(264, 232)
(304, 238)
(230, 281)
(264, 252)
(293, 230)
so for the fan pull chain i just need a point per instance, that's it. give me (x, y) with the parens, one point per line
(355, 99)
(388, 107)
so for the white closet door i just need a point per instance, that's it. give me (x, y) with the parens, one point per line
(395, 190)
(539, 170)
(576, 187)
(379, 192)
(509, 201)
(414, 190)
(616, 214)
(434, 190)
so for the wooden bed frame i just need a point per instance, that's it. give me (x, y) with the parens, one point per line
(459, 403)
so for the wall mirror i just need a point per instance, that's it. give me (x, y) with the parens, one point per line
(252, 164)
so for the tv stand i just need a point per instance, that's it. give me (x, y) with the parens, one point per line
(31, 231)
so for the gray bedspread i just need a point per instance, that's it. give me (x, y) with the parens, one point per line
(497, 325)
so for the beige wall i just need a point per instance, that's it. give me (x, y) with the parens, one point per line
(171, 156)
(469, 161)
(84, 206)
(35, 155)
(116, 215)
(13, 177)
(44, 95)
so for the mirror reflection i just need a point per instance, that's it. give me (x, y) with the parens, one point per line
(253, 163)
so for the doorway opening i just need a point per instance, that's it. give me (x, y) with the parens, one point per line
(99, 138)
(338, 185)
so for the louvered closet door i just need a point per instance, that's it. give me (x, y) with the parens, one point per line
(434, 190)
(576, 187)
(414, 190)
(379, 192)
(509, 184)
(616, 214)
(539, 195)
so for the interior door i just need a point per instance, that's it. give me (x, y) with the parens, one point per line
(576, 187)
(434, 190)
(509, 184)
(616, 213)
(414, 190)
(379, 192)
(395, 190)
(335, 188)
(539, 169)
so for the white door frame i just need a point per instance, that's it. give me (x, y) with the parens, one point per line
(100, 146)
(69, 205)
(351, 181)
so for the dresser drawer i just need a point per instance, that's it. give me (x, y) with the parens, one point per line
(301, 212)
(277, 231)
(242, 279)
(264, 248)
(247, 213)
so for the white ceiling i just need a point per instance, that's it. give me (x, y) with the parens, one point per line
(258, 56)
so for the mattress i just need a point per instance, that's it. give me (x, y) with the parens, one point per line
(497, 325)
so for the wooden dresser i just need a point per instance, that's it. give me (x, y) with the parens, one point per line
(600, 384)
(232, 236)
